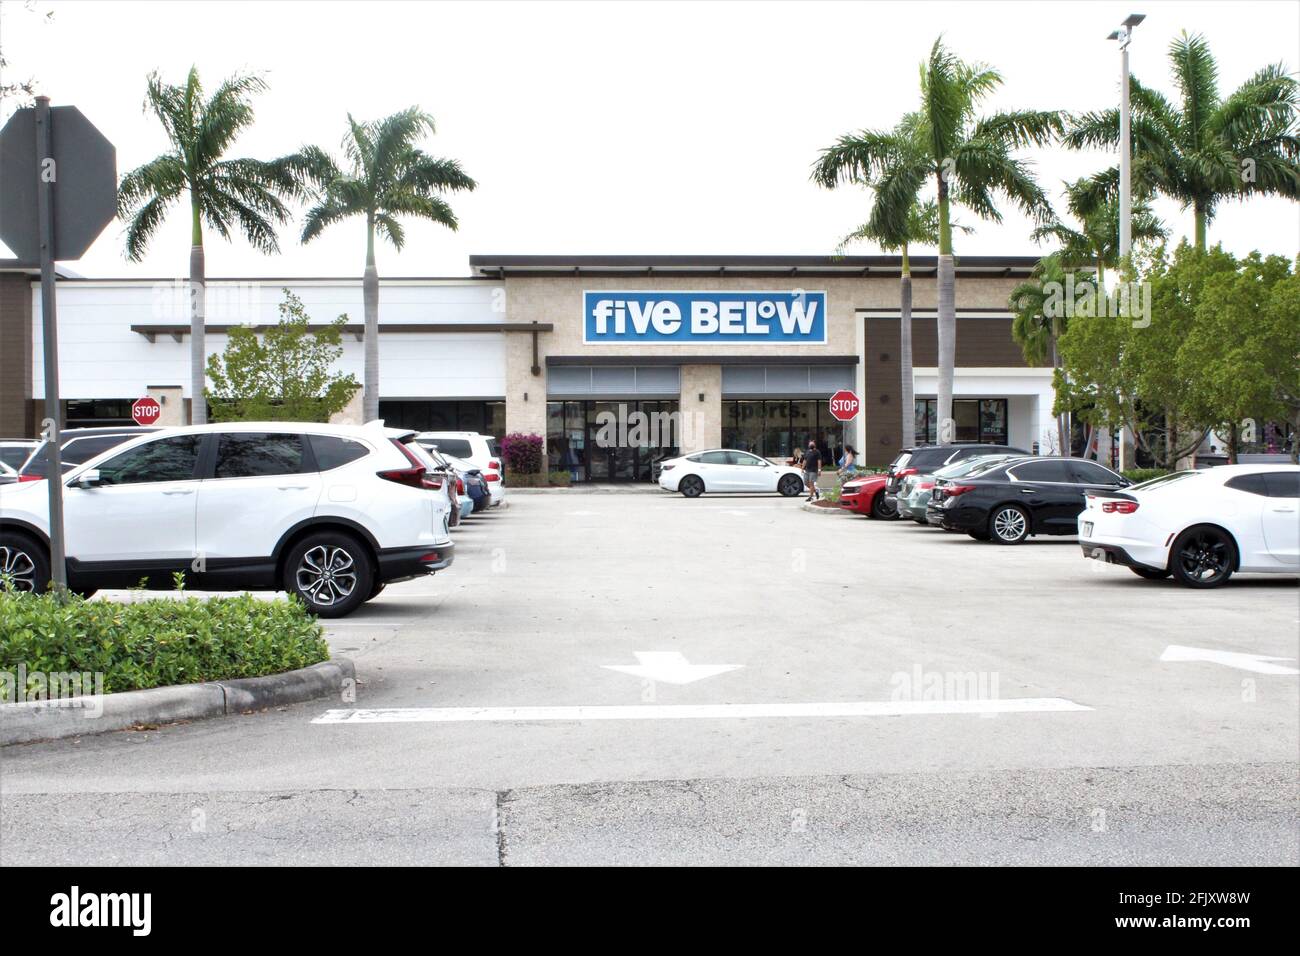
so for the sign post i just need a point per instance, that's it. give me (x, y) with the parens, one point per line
(45, 177)
(58, 190)
(845, 405)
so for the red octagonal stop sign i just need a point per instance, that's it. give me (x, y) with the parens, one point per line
(845, 405)
(146, 411)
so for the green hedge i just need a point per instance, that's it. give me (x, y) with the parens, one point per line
(1139, 475)
(538, 479)
(156, 641)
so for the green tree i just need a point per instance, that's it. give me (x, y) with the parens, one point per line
(245, 195)
(1244, 348)
(968, 160)
(1094, 242)
(387, 176)
(921, 228)
(286, 374)
(1204, 150)
(1120, 371)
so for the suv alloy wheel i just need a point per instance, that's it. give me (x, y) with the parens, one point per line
(330, 572)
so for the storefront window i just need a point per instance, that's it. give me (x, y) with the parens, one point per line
(609, 441)
(774, 429)
(982, 420)
(487, 418)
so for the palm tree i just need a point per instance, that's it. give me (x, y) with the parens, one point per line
(1205, 150)
(922, 228)
(243, 194)
(387, 176)
(1095, 243)
(1039, 321)
(968, 160)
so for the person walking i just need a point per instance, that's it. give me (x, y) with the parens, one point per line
(812, 466)
(848, 463)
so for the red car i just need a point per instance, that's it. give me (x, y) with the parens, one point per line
(866, 496)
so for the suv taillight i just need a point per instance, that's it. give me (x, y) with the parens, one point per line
(31, 477)
(460, 485)
(495, 464)
(415, 476)
(1119, 507)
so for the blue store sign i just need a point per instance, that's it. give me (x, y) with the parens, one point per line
(696, 318)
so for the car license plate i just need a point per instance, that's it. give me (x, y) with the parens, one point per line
(1087, 529)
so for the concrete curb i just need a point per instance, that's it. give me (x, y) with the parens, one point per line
(809, 507)
(39, 720)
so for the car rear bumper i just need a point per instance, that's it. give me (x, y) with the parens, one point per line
(401, 564)
(1115, 554)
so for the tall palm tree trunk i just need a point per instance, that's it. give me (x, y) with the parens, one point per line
(198, 314)
(907, 398)
(370, 295)
(947, 322)
(1199, 209)
(1062, 432)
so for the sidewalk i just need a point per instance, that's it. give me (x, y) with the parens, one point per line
(630, 487)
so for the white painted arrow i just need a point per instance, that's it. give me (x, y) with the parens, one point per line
(670, 667)
(1258, 663)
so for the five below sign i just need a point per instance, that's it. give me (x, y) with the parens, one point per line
(693, 318)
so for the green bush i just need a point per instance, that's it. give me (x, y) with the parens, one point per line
(158, 641)
(1139, 475)
(538, 479)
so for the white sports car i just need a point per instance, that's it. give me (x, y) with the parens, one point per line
(725, 469)
(1199, 526)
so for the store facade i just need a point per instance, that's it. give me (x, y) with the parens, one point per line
(617, 360)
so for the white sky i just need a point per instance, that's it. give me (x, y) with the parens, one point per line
(616, 127)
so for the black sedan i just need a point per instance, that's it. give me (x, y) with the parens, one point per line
(1018, 498)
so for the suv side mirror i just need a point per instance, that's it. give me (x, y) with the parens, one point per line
(89, 479)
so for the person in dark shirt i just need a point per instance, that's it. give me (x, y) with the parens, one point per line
(812, 466)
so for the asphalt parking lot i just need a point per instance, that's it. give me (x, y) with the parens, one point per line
(857, 692)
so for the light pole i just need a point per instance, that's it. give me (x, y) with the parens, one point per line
(1125, 36)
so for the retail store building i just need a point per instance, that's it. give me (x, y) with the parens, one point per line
(740, 351)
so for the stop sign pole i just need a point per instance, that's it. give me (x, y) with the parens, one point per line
(58, 190)
(46, 175)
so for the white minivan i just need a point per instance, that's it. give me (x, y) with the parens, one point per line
(482, 451)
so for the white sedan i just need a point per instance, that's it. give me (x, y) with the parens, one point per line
(725, 469)
(1199, 526)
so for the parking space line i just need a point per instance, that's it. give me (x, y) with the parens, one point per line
(872, 708)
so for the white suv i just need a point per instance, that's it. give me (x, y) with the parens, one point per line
(330, 513)
(481, 451)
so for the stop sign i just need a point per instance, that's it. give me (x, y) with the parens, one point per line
(146, 411)
(845, 405)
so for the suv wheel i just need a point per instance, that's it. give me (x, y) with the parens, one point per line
(1009, 524)
(789, 485)
(330, 572)
(691, 486)
(1203, 557)
(23, 563)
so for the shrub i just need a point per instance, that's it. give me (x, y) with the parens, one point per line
(157, 641)
(523, 454)
(541, 480)
(1139, 475)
